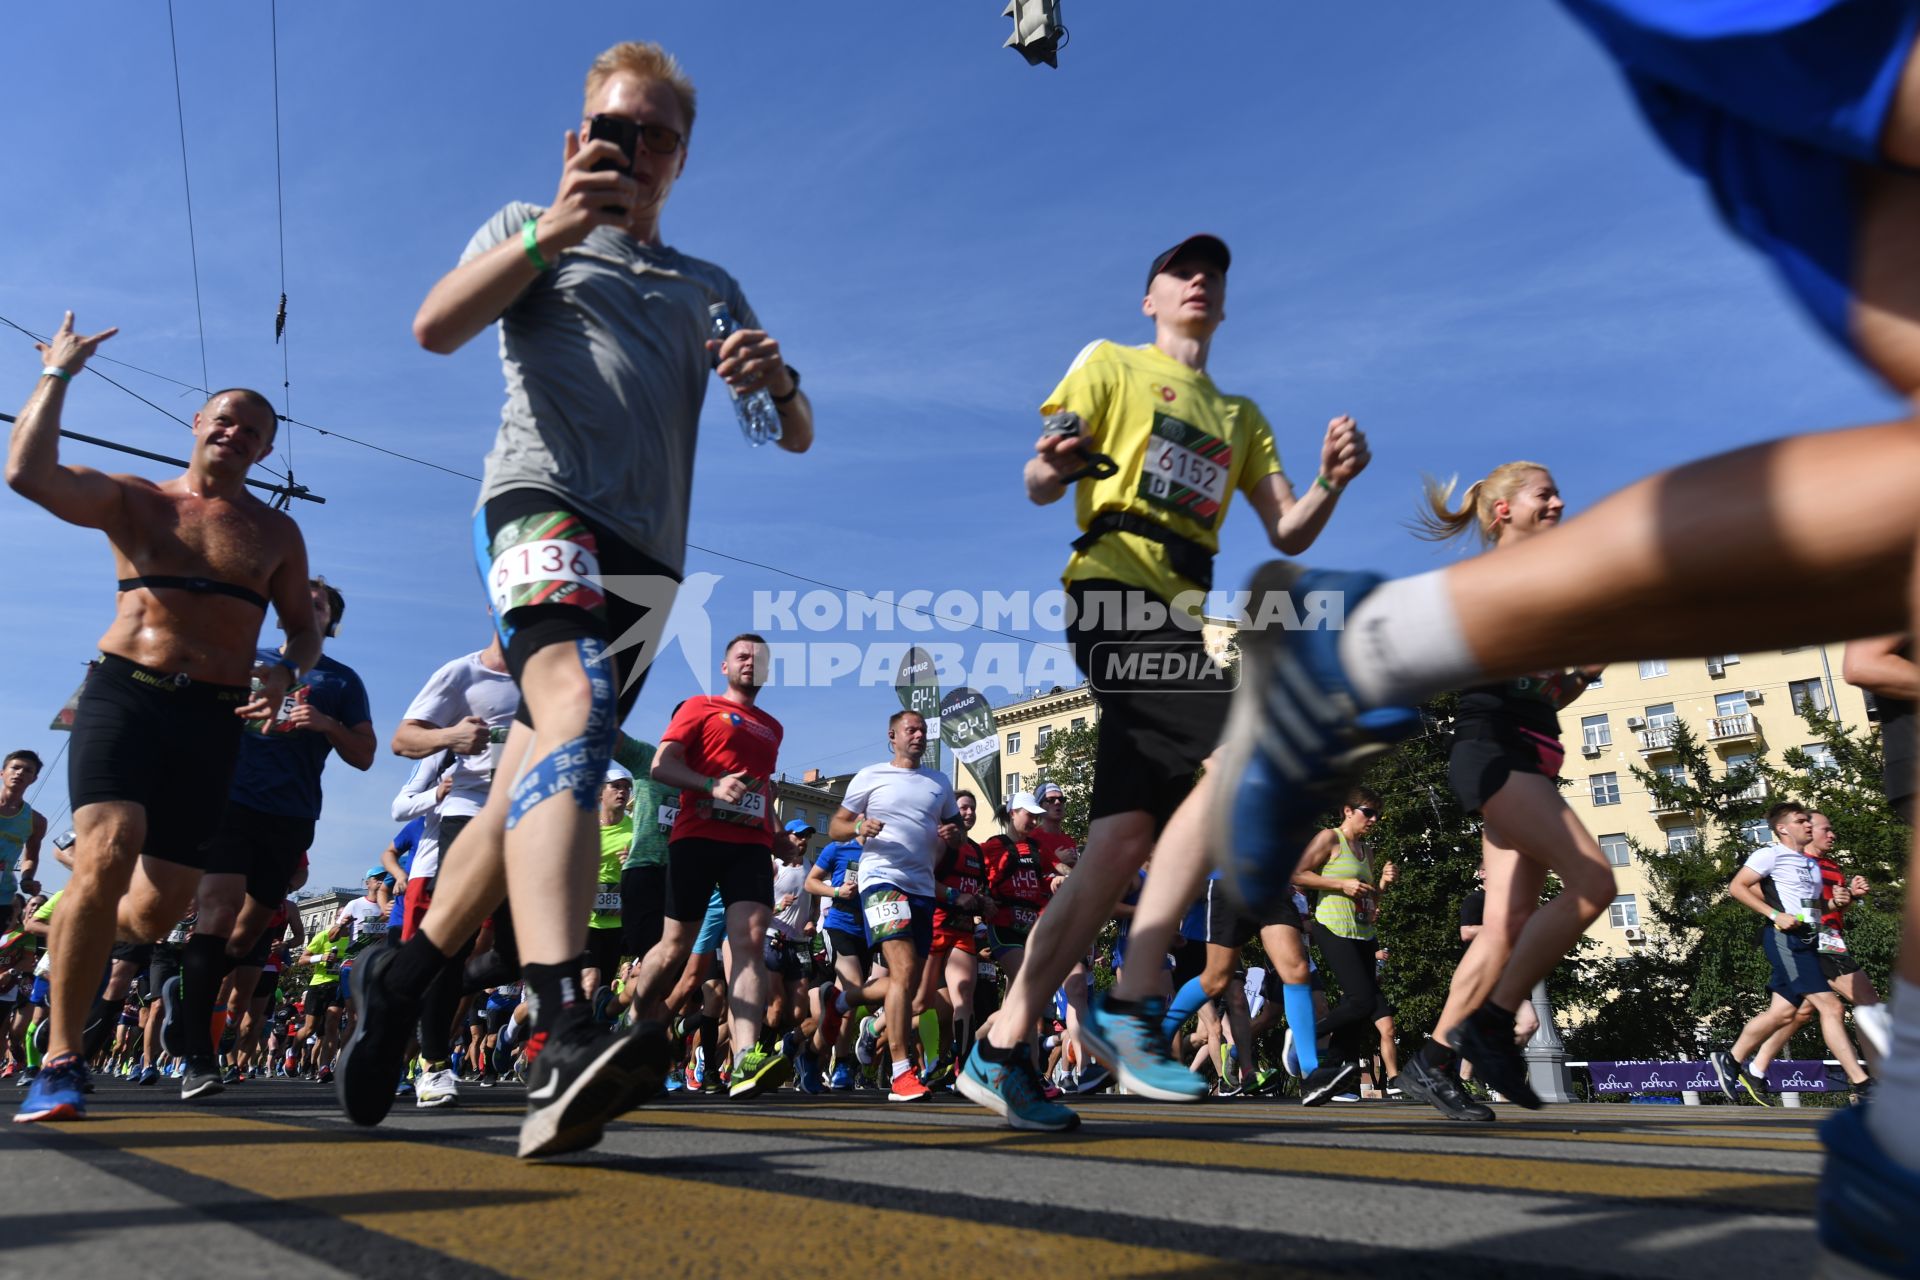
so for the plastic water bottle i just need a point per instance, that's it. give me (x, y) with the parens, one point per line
(759, 416)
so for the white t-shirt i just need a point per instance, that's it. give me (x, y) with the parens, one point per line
(1795, 876)
(791, 879)
(911, 803)
(457, 690)
(366, 922)
(416, 801)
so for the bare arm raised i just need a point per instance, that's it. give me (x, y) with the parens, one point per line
(78, 495)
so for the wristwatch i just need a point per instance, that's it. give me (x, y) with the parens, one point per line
(788, 398)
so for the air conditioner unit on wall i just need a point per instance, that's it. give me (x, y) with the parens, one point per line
(1636, 722)
(1715, 667)
(1590, 750)
(1634, 933)
(1755, 697)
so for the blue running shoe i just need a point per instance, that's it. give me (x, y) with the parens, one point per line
(811, 1079)
(1012, 1089)
(1127, 1037)
(1295, 740)
(59, 1092)
(842, 1079)
(1866, 1205)
(674, 1082)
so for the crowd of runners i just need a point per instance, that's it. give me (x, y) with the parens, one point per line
(608, 918)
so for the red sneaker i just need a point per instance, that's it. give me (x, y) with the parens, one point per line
(907, 1087)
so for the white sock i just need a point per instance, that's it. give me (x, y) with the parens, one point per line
(1403, 643)
(900, 1065)
(1893, 1117)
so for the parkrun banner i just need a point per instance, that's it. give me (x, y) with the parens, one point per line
(1783, 1076)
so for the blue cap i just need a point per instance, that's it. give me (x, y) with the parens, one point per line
(375, 873)
(798, 825)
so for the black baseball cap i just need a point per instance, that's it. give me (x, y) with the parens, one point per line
(1207, 246)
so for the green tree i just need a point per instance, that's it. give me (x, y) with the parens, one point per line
(1066, 758)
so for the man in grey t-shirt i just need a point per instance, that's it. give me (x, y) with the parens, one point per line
(580, 534)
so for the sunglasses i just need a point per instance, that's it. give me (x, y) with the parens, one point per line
(1366, 812)
(629, 135)
(1053, 799)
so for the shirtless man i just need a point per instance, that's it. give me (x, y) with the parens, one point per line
(157, 730)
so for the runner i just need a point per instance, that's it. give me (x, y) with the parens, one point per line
(601, 964)
(722, 752)
(1781, 882)
(158, 723)
(256, 853)
(583, 505)
(1153, 452)
(1504, 767)
(21, 829)
(324, 1001)
(643, 872)
(904, 814)
(835, 879)
(952, 970)
(789, 938)
(1838, 966)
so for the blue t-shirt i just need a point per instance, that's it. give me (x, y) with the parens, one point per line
(839, 864)
(279, 768)
(404, 844)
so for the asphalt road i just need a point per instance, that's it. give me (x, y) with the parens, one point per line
(268, 1180)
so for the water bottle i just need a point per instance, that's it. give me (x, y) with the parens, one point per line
(759, 416)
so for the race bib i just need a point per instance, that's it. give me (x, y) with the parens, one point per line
(669, 814)
(750, 809)
(1831, 943)
(607, 901)
(547, 558)
(1185, 469)
(1025, 917)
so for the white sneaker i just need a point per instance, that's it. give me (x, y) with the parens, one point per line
(436, 1089)
(1875, 1024)
(868, 1041)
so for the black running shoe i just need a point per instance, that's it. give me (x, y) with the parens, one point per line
(201, 1080)
(581, 1081)
(1439, 1089)
(1726, 1070)
(1327, 1079)
(374, 1058)
(1498, 1063)
(1755, 1085)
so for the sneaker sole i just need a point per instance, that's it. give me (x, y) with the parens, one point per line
(1319, 1097)
(1420, 1093)
(974, 1091)
(1101, 1048)
(908, 1097)
(772, 1076)
(206, 1090)
(628, 1071)
(65, 1111)
(1240, 744)
(436, 1104)
(376, 1107)
(1720, 1074)
(1746, 1086)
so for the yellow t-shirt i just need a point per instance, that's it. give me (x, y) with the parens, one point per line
(1182, 446)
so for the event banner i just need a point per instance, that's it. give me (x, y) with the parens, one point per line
(966, 723)
(919, 690)
(1784, 1076)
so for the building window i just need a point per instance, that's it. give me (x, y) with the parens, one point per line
(1624, 913)
(1683, 839)
(1040, 738)
(1731, 703)
(1013, 783)
(1598, 682)
(1725, 659)
(1013, 742)
(1595, 731)
(1807, 694)
(1079, 722)
(1604, 788)
(1619, 854)
(1756, 832)
(1820, 756)
(1652, 668)
(1673, 773)
(1662, 716)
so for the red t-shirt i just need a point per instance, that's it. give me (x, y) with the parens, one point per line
(1051, 846)
(1017, 878)
(720, 736)
(964, 870)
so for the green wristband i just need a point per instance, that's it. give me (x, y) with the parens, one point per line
(1324, 483)
(530, 241)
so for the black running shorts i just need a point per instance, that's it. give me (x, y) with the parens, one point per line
(164, 742)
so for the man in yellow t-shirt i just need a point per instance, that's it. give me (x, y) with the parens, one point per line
(1153, 453)
(604, 935)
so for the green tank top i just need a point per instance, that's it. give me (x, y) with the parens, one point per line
(15, 831)
(1336, 910)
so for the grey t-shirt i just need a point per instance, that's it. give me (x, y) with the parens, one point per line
(606, 365)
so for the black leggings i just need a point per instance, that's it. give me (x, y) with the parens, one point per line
(1349, 1024)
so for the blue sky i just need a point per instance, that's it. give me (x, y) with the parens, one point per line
(1446, 220)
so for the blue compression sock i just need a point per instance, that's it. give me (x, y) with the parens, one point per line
(1298, 998)
(1186, 1002)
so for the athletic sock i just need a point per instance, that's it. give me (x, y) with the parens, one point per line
(1297, 999)
(100, 1022)
(413, 967)
(1185, 1003)
(901, 1065)
(1494, 1022)
(1404, 642)
(553, 993)
(1439, 1056)
(929, 1036)
(1893, 1117)
(204, 963)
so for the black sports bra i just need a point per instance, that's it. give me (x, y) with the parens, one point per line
(203, 586)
